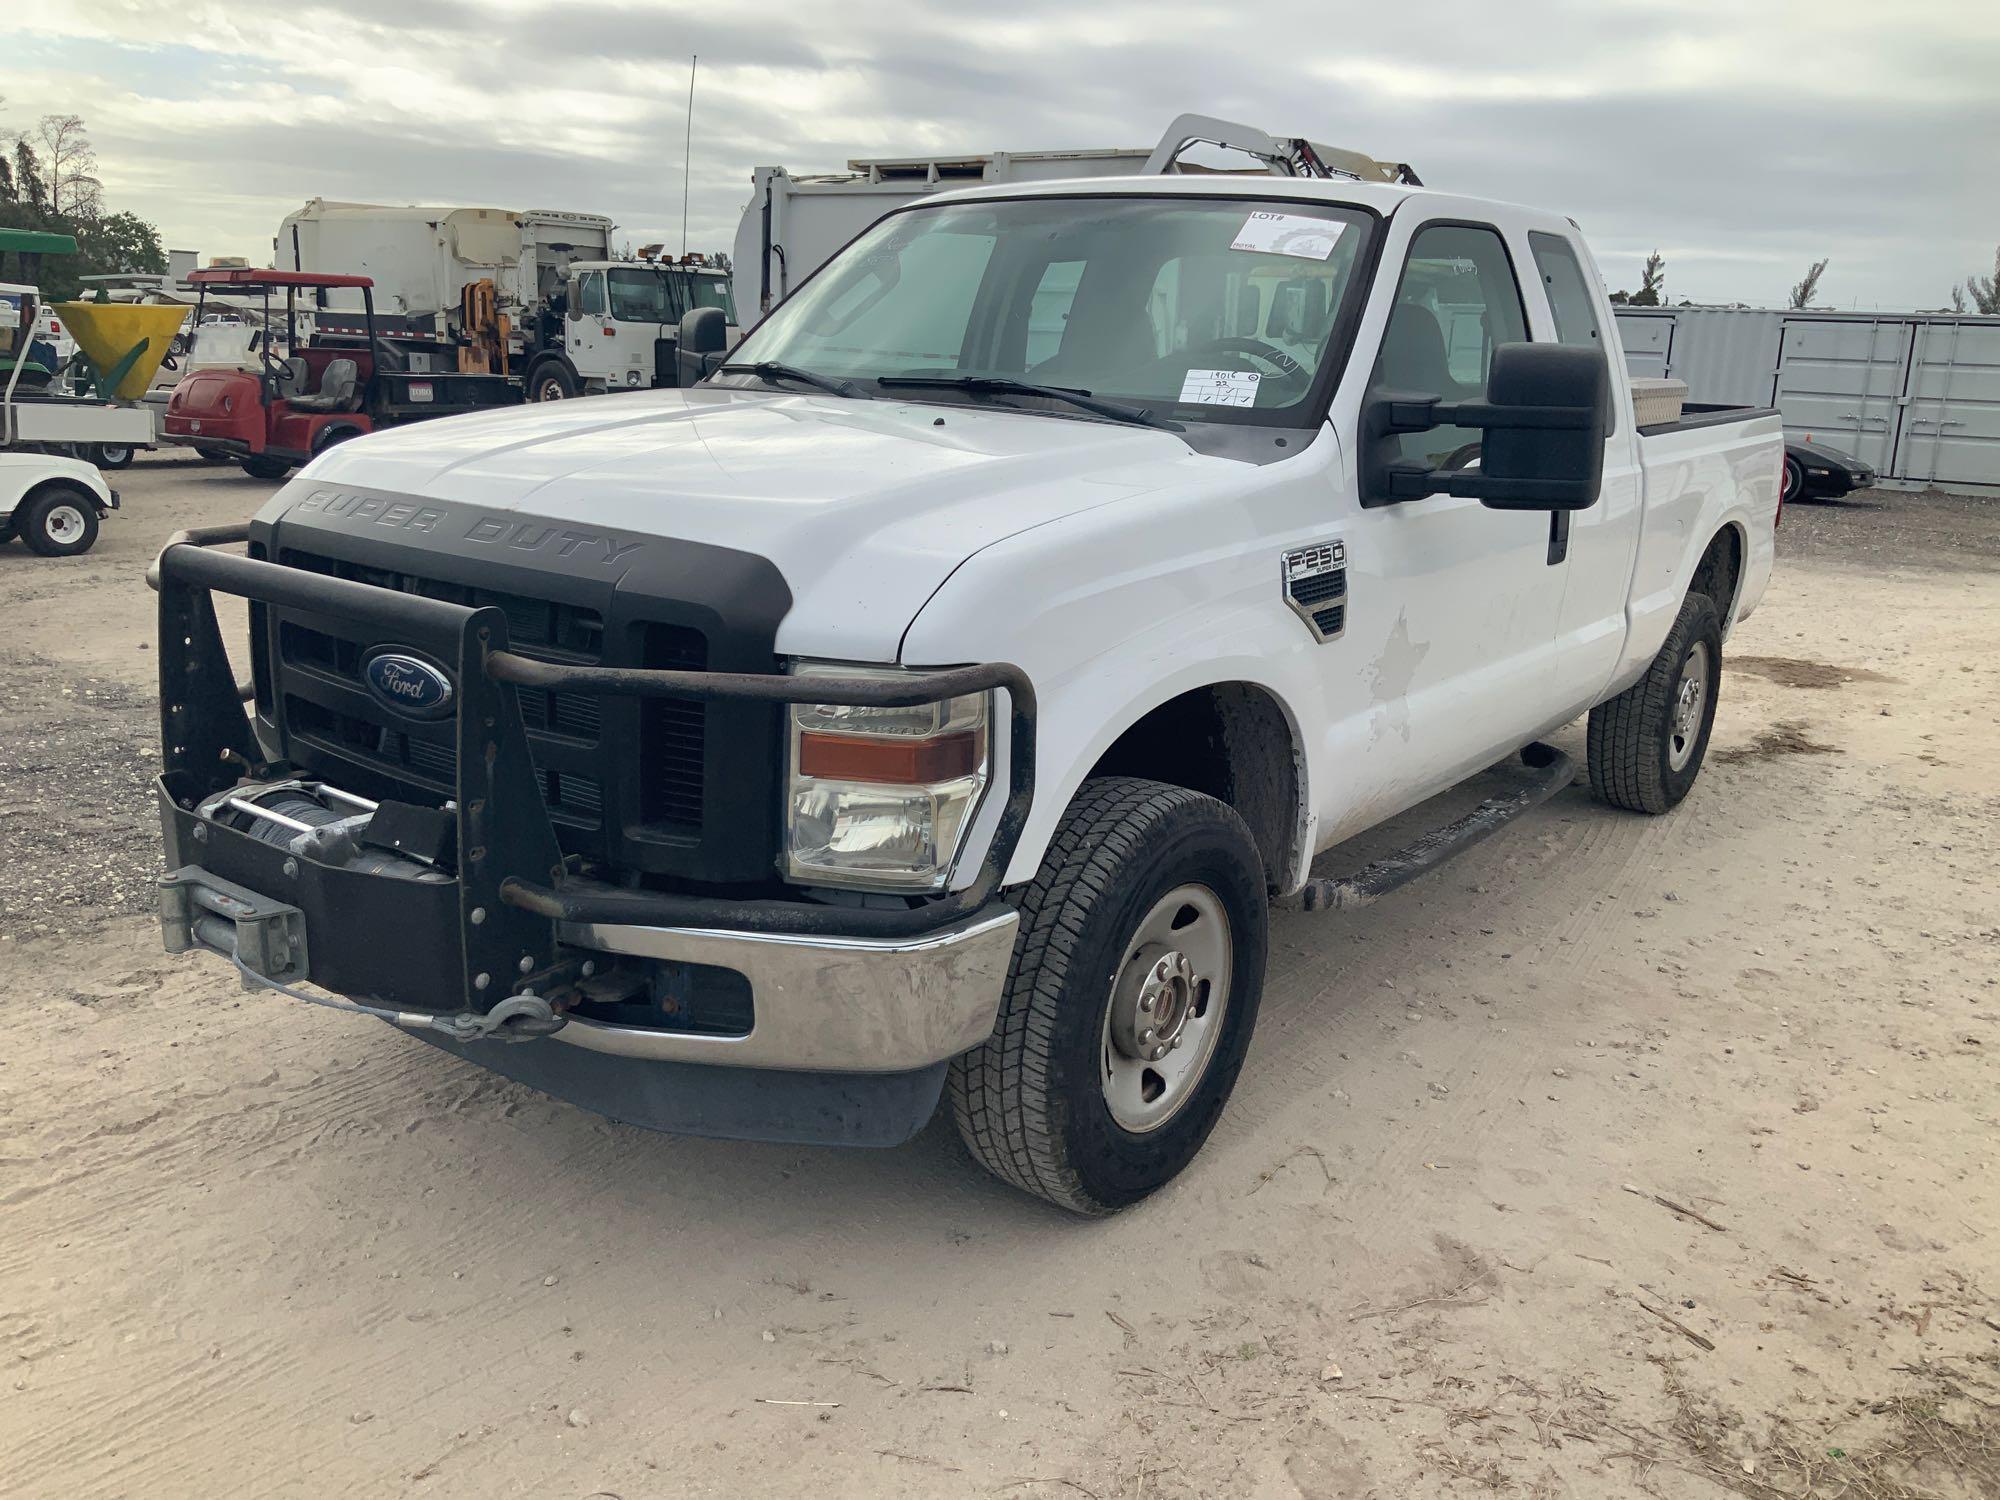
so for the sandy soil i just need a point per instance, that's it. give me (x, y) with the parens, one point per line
(1626, 1156)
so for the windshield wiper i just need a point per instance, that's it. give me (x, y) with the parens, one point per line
(1004, 385)
(771, 371)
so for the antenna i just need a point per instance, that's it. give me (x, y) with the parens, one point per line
(687, 152)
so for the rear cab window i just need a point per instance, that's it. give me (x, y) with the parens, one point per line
(1571, 305)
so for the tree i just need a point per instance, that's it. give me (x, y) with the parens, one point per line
(1652, 283)
(28, 189)
(71, 164)
(1983, 292)
(1806, 290)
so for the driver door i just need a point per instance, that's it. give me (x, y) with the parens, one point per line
(591, 336)
(1447, 662)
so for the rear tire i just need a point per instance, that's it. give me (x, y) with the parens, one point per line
(1149, 911)
(1646, 745)
(262, 467)
(1795, 480)
(113, 456)
(215, 455)
(60, 520)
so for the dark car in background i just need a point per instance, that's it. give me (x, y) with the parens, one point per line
(1814, 471)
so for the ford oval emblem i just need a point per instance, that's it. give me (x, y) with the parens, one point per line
(408, 684)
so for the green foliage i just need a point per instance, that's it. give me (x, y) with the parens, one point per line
(106, 243)
(1982, 291)
(1805, 290)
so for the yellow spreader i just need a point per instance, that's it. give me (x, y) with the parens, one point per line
(125, 340)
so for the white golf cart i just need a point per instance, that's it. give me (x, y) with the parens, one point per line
(52, 503)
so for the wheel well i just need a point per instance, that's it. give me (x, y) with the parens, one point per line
(42, 486)
(1720, 570)
(1231, 741)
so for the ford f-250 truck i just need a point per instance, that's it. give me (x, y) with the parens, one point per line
(938, 695)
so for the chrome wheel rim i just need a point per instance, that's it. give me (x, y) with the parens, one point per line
(1690, 694)
(64, 525)
(1169, 998)
(550, 390)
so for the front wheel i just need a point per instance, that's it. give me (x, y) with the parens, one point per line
(1646, 745)
(551, 381)
(263, 467)
(60, 521)
(1134, 987)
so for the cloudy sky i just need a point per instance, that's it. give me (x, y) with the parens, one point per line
(1743, 138)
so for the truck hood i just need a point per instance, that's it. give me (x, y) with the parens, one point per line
(864, 506)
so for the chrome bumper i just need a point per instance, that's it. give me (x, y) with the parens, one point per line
(821, 1004)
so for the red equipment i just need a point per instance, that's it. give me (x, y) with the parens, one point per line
(324, 391)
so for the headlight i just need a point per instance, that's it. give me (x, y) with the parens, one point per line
(881, 797)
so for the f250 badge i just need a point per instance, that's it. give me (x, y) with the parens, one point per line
(408, 684)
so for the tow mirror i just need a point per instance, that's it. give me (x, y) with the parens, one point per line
(573, 303)
(1544, 423)
(704, 337)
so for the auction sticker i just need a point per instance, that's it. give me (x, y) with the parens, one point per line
(1220, 388)
(1288, 234)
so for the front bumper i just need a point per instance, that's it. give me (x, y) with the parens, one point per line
(465, 920)
(822, 1004)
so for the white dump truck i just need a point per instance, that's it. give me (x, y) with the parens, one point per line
(937, 696)
(566, 317)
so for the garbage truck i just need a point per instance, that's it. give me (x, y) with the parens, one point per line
(536, 295)
(794, 224)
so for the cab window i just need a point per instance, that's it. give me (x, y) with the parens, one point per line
(1570, 302)
(1457, 301)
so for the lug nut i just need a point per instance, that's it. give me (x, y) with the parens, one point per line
(527, 963)
(480, 981)
(1146, 1036)
(1146, 1002)
(478, 915)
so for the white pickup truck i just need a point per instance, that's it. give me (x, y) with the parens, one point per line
(938, 695)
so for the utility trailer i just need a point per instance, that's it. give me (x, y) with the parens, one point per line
(538, 295)
(795, 223)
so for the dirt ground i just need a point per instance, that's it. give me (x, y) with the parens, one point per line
(1625, 1156)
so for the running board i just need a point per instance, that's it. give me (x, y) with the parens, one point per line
(1547, 772)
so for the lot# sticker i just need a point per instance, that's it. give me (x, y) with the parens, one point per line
(1288, 234)
(1220, 388)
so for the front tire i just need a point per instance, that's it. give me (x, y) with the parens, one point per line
(1130, 1002)
(1646, 745)
(551, 381)
(60, 521)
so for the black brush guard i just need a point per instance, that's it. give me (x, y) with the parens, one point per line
(464, 945)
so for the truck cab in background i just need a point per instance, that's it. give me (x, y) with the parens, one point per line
(616, 326)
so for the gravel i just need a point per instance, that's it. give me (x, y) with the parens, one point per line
(79, 836)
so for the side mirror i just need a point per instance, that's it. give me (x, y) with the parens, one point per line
(704, 336)
(573, 302)
(1544, 421)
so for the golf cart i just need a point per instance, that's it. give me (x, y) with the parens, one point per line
(78, 409)
(331, 386)
(52, 503)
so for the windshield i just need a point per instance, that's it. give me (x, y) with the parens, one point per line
(641, 297)
(1205, 309)
(713, 291)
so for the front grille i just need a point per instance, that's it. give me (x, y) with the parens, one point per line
(327, 705)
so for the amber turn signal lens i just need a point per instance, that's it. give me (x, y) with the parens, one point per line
(901, 762)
